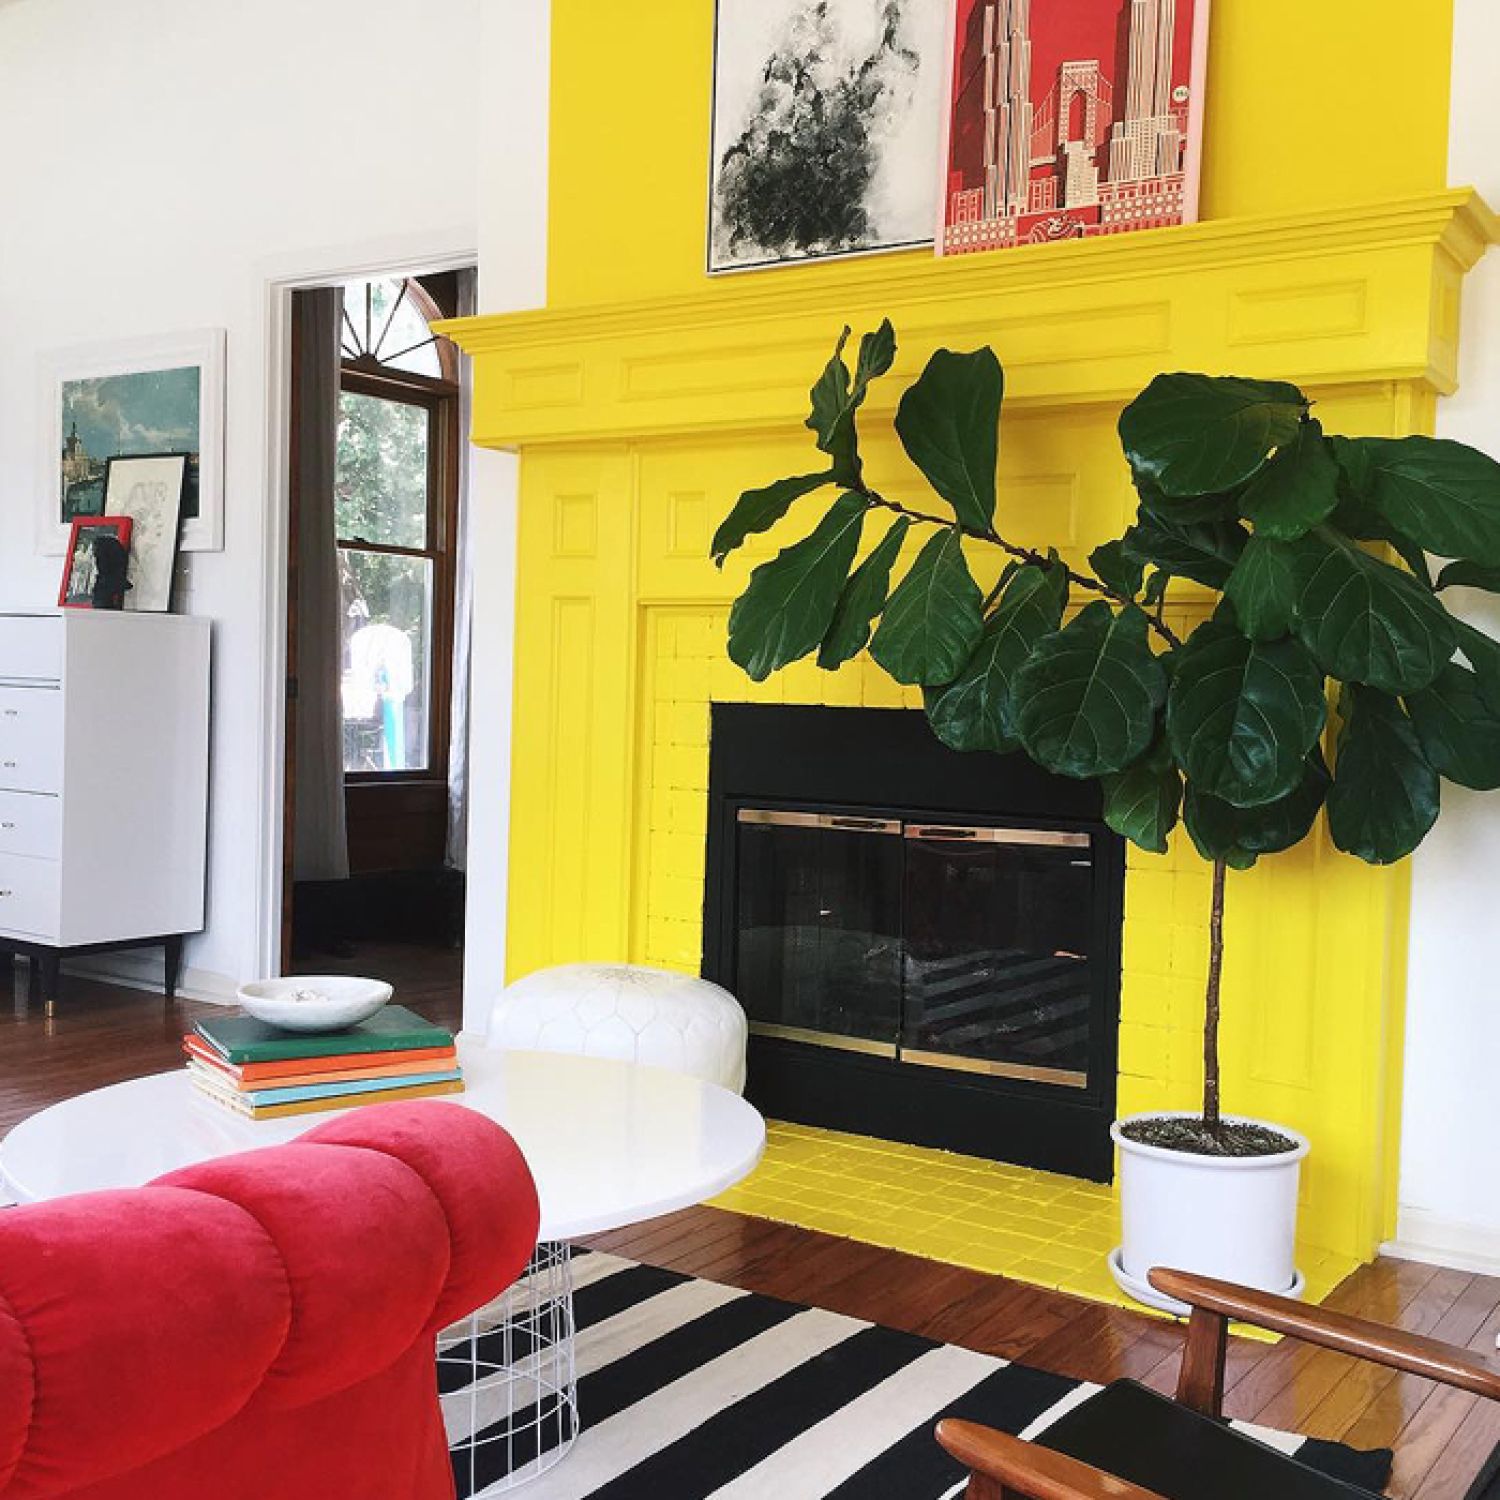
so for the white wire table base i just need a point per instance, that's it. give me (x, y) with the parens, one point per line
(507, 1383)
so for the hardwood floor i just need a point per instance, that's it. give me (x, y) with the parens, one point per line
(102, 1035)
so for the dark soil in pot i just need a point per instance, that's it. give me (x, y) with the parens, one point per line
(1192, 1136)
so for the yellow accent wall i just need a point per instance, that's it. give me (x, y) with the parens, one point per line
(1310, 103)
(647, 396)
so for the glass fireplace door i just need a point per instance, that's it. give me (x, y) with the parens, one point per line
(997, 927)
(819, 918)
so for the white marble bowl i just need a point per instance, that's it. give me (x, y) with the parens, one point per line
(342, 1000)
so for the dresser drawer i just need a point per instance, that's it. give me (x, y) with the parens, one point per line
(31, 824)
(30, 739)
(31, 648)
(30, 896)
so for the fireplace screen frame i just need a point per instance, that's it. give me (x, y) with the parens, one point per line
(844, 765)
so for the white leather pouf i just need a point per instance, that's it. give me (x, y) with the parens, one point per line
(656, 1017)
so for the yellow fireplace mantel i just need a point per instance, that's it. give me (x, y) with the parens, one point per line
(1359, 294)
(639, 422)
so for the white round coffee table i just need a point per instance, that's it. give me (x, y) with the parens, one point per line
(609, 1144)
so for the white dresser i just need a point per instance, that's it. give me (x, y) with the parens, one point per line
(103, 784)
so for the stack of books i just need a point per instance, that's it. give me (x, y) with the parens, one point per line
(265, 1072)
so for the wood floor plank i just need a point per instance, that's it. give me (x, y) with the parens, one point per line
(104, 1034)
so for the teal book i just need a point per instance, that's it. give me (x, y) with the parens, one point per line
(298, 1093)
(243, 1039)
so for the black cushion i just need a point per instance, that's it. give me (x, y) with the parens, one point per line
(1151, 1441)
(1487, 1486)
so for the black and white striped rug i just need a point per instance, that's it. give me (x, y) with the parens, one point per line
(688, 1389)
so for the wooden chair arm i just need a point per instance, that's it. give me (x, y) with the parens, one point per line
(1003, 1465)
(1216, 1301)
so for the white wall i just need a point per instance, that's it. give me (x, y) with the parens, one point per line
(159, 161)
(1450, 1180)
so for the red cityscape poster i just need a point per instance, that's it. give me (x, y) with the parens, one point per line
(1071, 118)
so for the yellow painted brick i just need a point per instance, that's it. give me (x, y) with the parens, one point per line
(803, 682)
(687, 812)
(684, 767)
(1147, 947)
(678, 854)
(689, 679)
(726, 682)
(878, 691)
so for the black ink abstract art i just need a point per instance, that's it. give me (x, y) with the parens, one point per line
(826, 128)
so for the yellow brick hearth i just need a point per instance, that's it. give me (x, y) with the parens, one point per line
(990, 1216)
(647, 396)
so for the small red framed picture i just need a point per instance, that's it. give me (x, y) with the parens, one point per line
(97, 562)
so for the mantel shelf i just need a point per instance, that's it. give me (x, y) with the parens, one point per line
(1350, 295)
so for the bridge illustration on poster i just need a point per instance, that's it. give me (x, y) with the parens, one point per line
(1070, 121)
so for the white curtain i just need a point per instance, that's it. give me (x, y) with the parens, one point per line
(321, 841)
(463, 612)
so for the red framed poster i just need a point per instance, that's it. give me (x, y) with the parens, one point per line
(1068, 119)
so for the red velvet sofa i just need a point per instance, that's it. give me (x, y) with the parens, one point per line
(259, 1326)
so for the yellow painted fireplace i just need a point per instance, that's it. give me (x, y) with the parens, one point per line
(646, 397)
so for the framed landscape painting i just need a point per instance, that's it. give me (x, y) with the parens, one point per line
(133, 399)
(1071, 121)
(826, 123)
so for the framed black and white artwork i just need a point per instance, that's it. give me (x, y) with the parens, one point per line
(150, 491)
(126, 399)
(827, 123)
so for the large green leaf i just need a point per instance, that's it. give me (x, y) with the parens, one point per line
(1296, 490)
(1385, 793)
(1263, 588)
(933, 620)
(1444, 495)
(1243, 715)
(1141, 802)
(788, 605)
(1365, 620)
(1087, 699)
(1457, 728)
(1118, 569)
(1205, 551)
(1357, 517)
(759, 510)
(1179, 508)
(976, 711)
(836, 397)
(1204, 434)
(862, 598)
(1483, 653)
(949, 424)
(1240, 835)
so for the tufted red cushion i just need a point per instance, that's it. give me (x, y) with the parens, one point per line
(481, 1255)
(260, 1325)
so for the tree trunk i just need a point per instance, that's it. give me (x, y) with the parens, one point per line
(1211, 1008)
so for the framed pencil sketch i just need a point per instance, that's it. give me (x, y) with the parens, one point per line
(150, 491)
(826, 123)
(133, 398)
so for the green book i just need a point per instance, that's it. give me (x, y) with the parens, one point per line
(243, 1039)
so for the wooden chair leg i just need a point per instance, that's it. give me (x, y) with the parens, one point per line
(1201, 1384)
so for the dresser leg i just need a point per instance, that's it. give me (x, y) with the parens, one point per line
(173, 973)
(51, 975)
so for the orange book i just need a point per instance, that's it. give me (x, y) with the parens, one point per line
(294, 1070)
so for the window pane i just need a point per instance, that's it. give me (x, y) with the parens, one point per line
(387, 630)
(380, 482)
(389, 327)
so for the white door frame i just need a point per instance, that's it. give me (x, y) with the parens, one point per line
(449, 251)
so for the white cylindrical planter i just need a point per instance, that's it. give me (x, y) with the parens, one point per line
(1231, 1217)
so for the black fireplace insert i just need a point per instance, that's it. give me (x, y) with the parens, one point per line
(926, 943)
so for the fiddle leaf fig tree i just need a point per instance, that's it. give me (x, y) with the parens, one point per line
(1314, 548)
